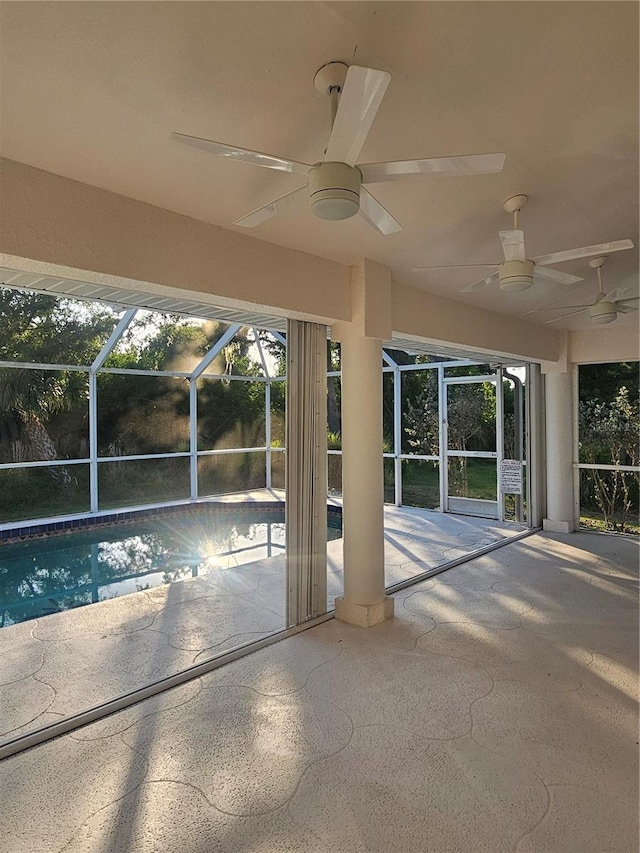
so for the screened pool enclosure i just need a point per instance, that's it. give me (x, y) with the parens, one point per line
(104, 408)
(159, 443)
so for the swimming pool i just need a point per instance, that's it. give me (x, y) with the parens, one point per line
(72, 569)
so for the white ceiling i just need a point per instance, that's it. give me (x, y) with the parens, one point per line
(92, 90)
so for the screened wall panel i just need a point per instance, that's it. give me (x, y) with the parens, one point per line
(471, 416)
(142, 414)
(231, 414)
(420, 483)
(334, 474)
(278, 403)
(27, 493)
(44, 415)
(141, 481)
(473, 478)
(278, 463)
(389, 480)
(420, 413)
(231, 472)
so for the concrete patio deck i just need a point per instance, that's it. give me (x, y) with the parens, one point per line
(67, 662)
(496, 712)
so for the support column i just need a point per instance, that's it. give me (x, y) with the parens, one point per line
(364, 602)
(559, 451)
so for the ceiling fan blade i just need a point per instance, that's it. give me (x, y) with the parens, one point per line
(556, 308)
(555, 275)
(565, 307)
(243, 155)
(586, 252)
(472, 164)
(267, 211)
(374, 213)
(478, 285)
(512, 245)
(452, 267)
(621, 295)
(623, 308)
(360, 99)
(565, 316)
(615, 295)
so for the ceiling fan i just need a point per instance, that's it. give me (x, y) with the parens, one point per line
(335, 186)
(517, 272)
(606, 307)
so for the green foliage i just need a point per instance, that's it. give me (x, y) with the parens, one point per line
(609, 434)
(420, 483)
(44, 413)
(34, 493)
(42, 409)
(334, 441)
(421, 413)
(603, 381)
(45, 329)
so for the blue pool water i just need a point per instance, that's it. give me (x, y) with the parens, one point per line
(44, 576)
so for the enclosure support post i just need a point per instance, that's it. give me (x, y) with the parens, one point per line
(93, 442)
(534, 415)
(397, 434)
(193, 438)
(519, 433)
(267, 431)
(267, 411)
(575, 380)
(442, 439)
(499, 440)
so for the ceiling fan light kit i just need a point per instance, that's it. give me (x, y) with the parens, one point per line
(334, 190)
(603, 312)
(515, 276)
(335, 187)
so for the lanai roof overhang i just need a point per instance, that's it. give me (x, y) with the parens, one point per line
(69, 238)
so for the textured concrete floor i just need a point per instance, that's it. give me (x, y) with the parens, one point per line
(69, 661)
(496, 712)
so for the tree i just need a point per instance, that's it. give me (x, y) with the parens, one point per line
(44, 329)
(44, 413)
(609, 434)
(422, 417)
(603, 381)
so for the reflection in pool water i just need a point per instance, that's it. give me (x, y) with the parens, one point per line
(48, 575)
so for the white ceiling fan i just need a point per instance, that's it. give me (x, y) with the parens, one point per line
(606, 307)
(335, 186)
(517, 272)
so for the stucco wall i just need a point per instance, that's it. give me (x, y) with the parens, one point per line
(71, 226)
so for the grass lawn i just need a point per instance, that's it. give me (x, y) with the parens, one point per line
(594, 520)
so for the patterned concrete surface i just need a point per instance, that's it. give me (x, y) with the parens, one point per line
(70, 661)
(496, 712)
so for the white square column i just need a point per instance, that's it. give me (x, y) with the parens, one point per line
(364, 602)
(559, 420)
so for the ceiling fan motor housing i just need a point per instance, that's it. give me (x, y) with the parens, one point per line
(334, 190)
(515, 276)
(603, 312)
